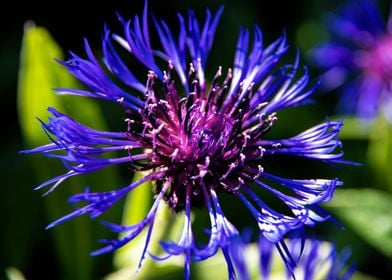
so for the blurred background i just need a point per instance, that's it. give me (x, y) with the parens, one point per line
(27, 246)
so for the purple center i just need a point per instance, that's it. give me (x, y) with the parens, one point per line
(377, 61)
(198, 140)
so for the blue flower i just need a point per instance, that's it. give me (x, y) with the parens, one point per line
(305, 259)
(193, 136)
(315, 259)
(358, 57)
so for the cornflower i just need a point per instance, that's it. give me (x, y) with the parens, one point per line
(194, 138)
(315, 259)
(357, 59)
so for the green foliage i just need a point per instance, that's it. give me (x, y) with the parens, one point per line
(355, 129)
(38, 74)
(167, 225)
(380, 151)
(368, 212)
(13, 273)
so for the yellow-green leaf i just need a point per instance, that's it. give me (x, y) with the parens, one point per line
(166, 225)
(379, 152)
(355, 129)
(39, 73)
(14, 274)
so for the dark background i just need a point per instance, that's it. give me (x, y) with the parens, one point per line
(23, 241)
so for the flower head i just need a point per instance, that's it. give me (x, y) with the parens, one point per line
(193, 136)
(358, 55)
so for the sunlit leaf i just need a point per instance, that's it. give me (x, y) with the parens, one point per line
(13, 273)
(355, 129)
(380, 151)
(368, 212)
(39, 73)
(166, 225)
(136, 206)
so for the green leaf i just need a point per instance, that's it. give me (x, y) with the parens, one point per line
(136, 206)
(354, 129)
(166, 225)
(368, 212)
(14, 274)
(379, 152)
(39, 73)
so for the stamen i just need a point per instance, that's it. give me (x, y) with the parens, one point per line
(231, 167)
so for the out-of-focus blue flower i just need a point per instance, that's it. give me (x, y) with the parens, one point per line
(315, 260)
(359, 56)
(193, 136)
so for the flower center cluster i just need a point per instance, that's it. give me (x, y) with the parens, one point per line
(378, 59)
(198, 141)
